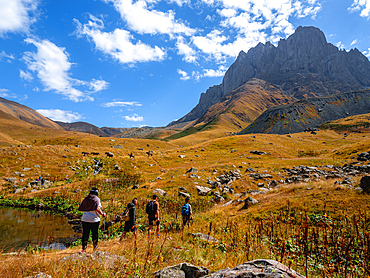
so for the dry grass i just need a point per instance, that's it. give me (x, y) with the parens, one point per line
(240, 232)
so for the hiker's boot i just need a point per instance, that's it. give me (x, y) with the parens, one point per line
(84, 246)
(95, 245)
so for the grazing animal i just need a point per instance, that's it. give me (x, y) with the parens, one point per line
(85, 153)
(109, 154)
(95, 153)
(149, 153)
(131, 155)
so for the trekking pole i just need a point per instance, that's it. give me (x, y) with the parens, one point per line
(104, 223)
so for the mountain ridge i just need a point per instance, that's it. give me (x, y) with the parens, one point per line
(303, 65)
(309, 113)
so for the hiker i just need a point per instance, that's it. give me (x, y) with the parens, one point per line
(152, 209)
(91, 207)
(130, 225)
(186, 213)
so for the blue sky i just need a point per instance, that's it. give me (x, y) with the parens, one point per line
(126, 63)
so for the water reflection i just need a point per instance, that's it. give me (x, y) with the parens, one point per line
(21, 227)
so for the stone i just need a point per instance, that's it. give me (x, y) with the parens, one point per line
(104, 259)
(183, 194)
(365, 184)
(205, 237)
(249, 202)
(40, 275)
(257, 269)
(160, 192)
(191, 170)
(181, 156)
(183, 270)
(202, 190)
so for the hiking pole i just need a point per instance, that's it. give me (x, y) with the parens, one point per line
(104, 223)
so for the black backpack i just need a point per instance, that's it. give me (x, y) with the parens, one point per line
(151, 208)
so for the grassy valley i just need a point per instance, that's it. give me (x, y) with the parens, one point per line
(314, 225)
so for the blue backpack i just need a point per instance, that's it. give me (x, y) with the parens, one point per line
(185, 210)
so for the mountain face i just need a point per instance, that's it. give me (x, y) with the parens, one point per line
(243, 105)
(303, 65)
(89, 128)
(310, 113)
(26, 114)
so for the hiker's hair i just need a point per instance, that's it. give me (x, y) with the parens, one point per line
(133, 200)
(187, 199)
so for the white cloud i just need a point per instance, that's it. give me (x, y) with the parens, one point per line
(121, 103)
(98, 85)
(118, 44)
(363, 5)
(354, 42)
(51, 63)
(214, 73)
(17, 15)
(184, 75)
(196, 75)
(367, 53)
(134, 118)
(340, 45)
(60, 115)
(179, 2)
(5, 56)
(185, 50)
(25, 75)
(252, 20)
(144, 20)
(4, 92)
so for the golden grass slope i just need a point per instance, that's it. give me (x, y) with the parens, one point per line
(234, 112)
(26, 114)
(358, 123)
(166, 170)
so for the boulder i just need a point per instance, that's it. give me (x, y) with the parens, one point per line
(249, 202)
(104, 259)
(204, 237)
(257, 268)
(183, 270)
(160, 192)
(365, 184)
(183, 194)
(40, 275)
(191, 170)
(202, 190)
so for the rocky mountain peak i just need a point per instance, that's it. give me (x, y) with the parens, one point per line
(303, 65)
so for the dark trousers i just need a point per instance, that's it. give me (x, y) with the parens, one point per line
(87, 227)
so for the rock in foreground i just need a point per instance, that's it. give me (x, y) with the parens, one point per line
(257, 268)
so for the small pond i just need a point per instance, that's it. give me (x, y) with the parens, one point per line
(21, 227)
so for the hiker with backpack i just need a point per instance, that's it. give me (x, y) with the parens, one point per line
(152, 209)
(91, 206)
(186, 213)
(129, 215)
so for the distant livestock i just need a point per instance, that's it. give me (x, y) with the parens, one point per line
(95, 153)
(109, 154)
(85, 153)
(149, 153)
(131, 155)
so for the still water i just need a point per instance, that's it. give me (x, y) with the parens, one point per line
(21, 227)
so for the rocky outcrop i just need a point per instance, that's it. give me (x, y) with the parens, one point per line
(257, 268)
(104, 259)
(303, 65)
(183, 270)
(309, 114)
(365, 184)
